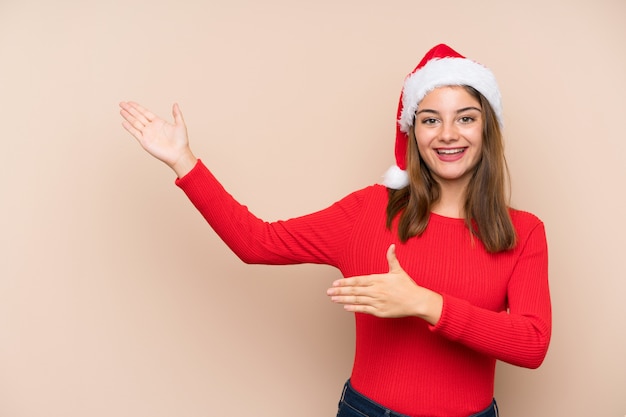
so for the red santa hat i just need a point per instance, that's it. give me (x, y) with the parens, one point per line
(441, 66)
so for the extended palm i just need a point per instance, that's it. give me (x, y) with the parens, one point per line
(165, 141)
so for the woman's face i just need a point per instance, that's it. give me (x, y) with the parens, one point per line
(448, 131)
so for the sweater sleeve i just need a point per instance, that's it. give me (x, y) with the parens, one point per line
(521, 335)
(314, 238)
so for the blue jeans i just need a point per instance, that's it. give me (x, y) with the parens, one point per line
(354, 404)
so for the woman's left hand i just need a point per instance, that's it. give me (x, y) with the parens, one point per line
(389, 295)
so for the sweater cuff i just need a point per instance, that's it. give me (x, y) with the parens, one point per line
(456, 315)
(181, 182)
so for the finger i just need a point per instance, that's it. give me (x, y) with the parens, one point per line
(360, 281)
(128, 116)
(133, 116)
(139, 115)
(394, 264)
(351, 299)
(128, 107)
(178, 115)
(359, 309)
(130, 129)
(142, 114)
(348, 294)
(132, 122)
(360, 306)
(342, 291)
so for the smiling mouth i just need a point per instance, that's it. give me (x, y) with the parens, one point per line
(454, 151)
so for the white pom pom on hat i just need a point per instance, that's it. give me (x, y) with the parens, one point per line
(441, 66)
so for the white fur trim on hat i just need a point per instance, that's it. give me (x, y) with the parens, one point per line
(442, 72)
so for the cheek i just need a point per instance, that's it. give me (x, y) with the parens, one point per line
(479, 146)
(422, 140)
(426, 156)
(422, 148)
(476, 136)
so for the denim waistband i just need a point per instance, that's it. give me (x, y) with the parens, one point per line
(371, 408)
(364, 405)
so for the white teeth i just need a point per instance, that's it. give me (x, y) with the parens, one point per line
(449, 151)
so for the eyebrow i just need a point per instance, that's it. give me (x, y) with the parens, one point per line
(464, 109)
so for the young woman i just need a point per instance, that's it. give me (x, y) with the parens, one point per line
(443, 276)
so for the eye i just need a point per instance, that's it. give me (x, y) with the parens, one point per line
(466, 119)
(429, 121)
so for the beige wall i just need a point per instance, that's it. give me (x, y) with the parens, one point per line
(117, 300)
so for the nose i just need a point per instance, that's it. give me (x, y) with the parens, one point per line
(449, 132)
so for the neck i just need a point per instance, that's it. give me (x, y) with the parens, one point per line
(451, 200)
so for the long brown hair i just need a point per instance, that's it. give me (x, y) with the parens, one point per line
(486, 199)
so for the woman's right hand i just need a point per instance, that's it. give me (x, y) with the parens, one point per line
(165, 141)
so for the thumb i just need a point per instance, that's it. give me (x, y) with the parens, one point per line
(394, 264)
(178, 115)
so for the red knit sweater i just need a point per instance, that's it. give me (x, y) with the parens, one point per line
(496, 306)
